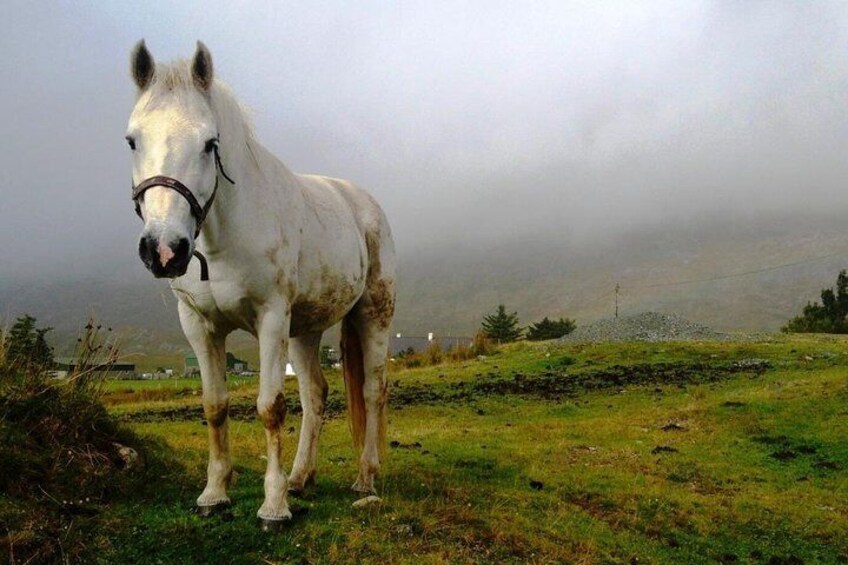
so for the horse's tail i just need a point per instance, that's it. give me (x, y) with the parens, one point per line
(353, 367)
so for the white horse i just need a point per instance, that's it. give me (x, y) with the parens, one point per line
(288, 256)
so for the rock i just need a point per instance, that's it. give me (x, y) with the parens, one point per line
(753, 364)
(672, 426)
(128, 455)
(368, 502)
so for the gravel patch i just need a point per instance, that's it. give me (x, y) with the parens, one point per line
(647, 326)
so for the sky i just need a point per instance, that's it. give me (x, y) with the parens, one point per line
(472, 121)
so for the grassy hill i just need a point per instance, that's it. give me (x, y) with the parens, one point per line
(625, 453)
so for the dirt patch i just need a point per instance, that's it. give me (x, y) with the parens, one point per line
(394, 444)
(556, 385)
(549, 385)
(245, 410)
(787, 449)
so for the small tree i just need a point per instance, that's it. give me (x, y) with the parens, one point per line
(550, 329)
(502, 327)
(26, 345)
(827, 317)
(327, 359)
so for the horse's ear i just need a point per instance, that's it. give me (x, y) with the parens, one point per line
(201, 67)
(141, 65)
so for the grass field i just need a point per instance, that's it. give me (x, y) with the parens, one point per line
(626, 453)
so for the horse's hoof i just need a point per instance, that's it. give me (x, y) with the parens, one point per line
(298, 492)
(273, 526)
(221, 509)
(297, 487)
(362, 488)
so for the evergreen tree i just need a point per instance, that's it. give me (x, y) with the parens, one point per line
(27, 344)
(829, 316)
(550, 329)
(326, 357)
(501, 326)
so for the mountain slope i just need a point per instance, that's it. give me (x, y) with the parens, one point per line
(447, 289)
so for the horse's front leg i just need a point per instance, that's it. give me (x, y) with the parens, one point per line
(271, 405)
(210, 350)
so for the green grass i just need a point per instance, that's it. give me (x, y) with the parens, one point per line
(755, 467)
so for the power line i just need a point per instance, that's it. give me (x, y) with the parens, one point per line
(618, 287)
(740, 274)
(597, 298)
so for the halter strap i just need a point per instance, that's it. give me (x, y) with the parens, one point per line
(199, 212)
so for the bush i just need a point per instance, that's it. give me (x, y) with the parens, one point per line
(461, 352)
(25, 347)
(827, 317)
(59, 448)
(550, 329)
(483, 345)
(434, 354)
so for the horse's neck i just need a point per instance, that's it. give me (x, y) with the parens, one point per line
(239, 210)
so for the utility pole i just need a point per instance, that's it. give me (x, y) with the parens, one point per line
(617, 288)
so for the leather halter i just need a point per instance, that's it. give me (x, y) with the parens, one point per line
(199, 212)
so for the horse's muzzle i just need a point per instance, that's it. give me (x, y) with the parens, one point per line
(165, 260)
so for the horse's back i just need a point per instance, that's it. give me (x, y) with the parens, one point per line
(366, 211)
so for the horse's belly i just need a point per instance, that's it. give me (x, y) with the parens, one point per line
(315, 313)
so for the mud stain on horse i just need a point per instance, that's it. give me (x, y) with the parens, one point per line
(372, 243)
(382, 302)
(337, 296)
(216, 414)
(271, 254)
(274, 415)
(380, 290)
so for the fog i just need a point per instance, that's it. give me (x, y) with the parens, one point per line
(472, 121)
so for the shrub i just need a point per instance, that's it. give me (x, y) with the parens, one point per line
(25, 346)
(434, 353)
(59, 448)
(550, 329)
(827, 317)
(483, 345)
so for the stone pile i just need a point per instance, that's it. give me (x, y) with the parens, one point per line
(647, 326)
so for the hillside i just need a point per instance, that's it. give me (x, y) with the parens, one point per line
(543, 453)
(552, 277)
(447, 288)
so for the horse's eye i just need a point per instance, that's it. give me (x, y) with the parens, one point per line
(131, 143)
(211, 145)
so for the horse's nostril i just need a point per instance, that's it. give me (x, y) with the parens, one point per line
(147, 250)
(181, 249)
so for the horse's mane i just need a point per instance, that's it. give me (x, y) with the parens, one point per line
(235, 126)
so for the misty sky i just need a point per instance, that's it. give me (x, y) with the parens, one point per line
(467, 120)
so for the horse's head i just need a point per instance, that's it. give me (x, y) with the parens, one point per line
(173, 136)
